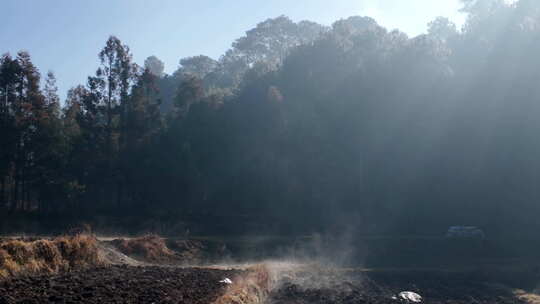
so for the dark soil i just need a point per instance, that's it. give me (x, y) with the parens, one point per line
(120, 284)
(380, 288)
(155, 284)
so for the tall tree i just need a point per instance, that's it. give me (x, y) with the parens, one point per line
(109, 95)
(114, 78)
(10, 73)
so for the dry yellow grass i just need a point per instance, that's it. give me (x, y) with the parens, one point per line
(252, 288)
(19, 257)
(526, 297)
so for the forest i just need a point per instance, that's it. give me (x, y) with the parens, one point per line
(297, 128)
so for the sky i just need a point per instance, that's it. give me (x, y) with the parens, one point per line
(65, 36)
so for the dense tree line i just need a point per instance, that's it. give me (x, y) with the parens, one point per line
(298, 127)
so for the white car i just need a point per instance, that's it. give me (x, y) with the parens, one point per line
(469, 232)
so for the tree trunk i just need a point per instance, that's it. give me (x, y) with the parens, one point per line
(23, 193)
(3, 201)
(15, 203)
(23, 189)
(120, 193)
(28, 202)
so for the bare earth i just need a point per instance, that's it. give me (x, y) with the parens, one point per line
(380, 288)
(159, 284)
(120, 284)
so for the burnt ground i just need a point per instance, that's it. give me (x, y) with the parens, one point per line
(380, 287)
(120, 284)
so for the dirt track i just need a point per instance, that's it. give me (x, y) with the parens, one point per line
(120, 284)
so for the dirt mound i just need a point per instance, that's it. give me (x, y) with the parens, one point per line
(111, 256)
(148, 248)
(189, 251)
(21, 257)
(120, 284)
(157, 250)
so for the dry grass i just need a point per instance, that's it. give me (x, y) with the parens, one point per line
(252, 288)
(151, 248)
(527, 297)
(20, 257)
